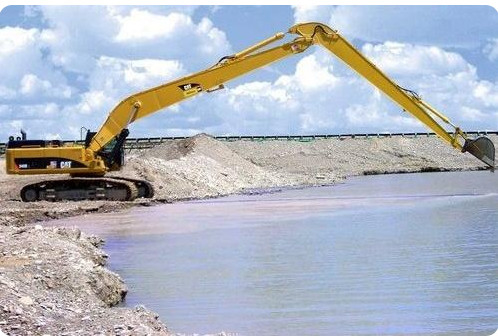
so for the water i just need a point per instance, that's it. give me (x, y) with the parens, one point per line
(395, 254)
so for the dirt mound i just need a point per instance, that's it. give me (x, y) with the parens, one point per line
(53, 282)
(199, 167)
(202, 144)
(172, 149)
(333, 158)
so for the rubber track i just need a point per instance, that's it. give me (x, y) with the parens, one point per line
(62, 186)
(148, 189)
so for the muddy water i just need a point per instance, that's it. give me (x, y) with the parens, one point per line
(395, 254)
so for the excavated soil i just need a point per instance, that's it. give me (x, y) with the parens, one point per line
(201, 166)
(54, 281)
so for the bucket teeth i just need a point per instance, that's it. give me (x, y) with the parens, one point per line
(482, 148)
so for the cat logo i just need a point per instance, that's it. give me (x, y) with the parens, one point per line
(65, 164)
(190, 89)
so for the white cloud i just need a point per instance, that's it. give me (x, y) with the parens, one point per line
(92, 102)
(176, 29)
(126, 76)
(310, 75)
(143, 25)
(373, 113)
(18, 51)
(25, 73)
(258, 90)
(112, 80)
(14, 39)
(491, 49)
(129, 33)
(33, 86)
(443, 78)
(52, 136)
(312, 13)
(415, 60)
(101, 53)
(7, 93)
(472, 114)
(162, 10)
(458, 26)
(486, 92)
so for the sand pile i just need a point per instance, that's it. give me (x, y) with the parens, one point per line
(336, 158)
(200, 167)
(204, 167)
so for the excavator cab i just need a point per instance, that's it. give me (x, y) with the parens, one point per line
(113, 152)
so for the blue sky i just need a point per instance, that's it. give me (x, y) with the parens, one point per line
(64, 67)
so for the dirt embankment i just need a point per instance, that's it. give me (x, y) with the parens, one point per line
(54, 281)
(203, 167)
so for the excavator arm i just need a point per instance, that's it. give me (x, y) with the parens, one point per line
(410, 101)
(144, 103)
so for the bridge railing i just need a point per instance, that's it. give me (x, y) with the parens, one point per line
(144, 143)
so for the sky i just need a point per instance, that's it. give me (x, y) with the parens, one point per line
(66, 67)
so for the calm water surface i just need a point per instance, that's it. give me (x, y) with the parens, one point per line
(394, 254)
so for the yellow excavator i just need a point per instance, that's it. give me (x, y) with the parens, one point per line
(103, 150)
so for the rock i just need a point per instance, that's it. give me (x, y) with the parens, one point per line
(7, 283)
(71, 233)
(26, 300)
(47, 305)
(95, 241)
(17, 232)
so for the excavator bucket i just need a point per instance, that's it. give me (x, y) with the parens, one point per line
(482, 148)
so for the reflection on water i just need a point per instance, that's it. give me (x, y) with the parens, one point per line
(395, 254)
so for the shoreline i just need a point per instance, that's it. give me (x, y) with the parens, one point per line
(55, 280)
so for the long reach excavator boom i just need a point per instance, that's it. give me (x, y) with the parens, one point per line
(103, 150)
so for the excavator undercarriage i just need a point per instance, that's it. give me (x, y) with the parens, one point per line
(90, 188)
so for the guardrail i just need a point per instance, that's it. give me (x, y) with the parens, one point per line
(144, 143)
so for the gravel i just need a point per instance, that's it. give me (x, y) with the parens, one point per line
(54, 281)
